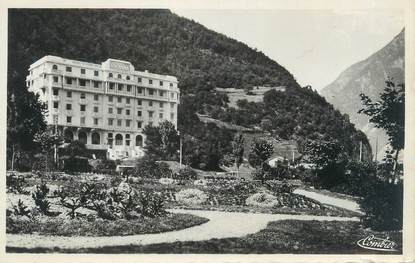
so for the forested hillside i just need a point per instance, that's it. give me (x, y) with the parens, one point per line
(203, 60)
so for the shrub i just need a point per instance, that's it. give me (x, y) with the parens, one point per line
(280, 186)
(186, 173)
(358, 178)
(23, 161)
(15, 183)
(39, 163)
(73, 204)
(104, 166)
(39, 196)
(20, 209)
(191, 197)
(262, 200)
(150, 168)
(76, 165)
(383, 206)
(331, 175)
(151, 204)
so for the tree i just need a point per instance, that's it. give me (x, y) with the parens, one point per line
(238, 150)
(261, 150)
(47, 141)
(330, 160)
(388, 114)
(75, 148)
(162, 140)
(169, 139)
(324, 153)
(25, 119)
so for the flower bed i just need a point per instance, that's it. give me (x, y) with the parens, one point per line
(92, 226)
(191, 196)
(265, 199)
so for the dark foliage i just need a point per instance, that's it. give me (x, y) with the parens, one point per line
(104, 166)
(261, 150)
(76, 165)
(383, 206)
(356, 178)
(15, 183)
(186, 173)
(151, 204)
(21, 209)
(40, 198)
(147, 167)
(162, 141)
(75, 148)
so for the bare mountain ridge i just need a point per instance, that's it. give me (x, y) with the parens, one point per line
(368, 77)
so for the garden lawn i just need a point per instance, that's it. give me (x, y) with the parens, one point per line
(286, 236)
(58, 226)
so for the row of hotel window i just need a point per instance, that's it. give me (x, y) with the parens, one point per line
(120, 87)
(111, 121)
(110, 75)
(110, 110)
(111, 99)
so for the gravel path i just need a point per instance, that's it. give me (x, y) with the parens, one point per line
(220, 225)
(329, 200)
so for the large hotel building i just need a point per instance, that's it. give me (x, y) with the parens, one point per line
(105, 105)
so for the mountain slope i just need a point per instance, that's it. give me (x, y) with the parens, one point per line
(203, 61)
(368, 77)
(156, 40)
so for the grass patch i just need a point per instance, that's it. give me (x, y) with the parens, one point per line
(58, 226)
(286, 236)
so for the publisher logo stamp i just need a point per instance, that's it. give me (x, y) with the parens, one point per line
(375, 243)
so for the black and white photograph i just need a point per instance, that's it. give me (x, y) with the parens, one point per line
(169, 130)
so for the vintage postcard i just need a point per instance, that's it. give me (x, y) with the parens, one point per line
(200, 132)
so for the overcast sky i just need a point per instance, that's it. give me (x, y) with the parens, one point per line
(315, 46)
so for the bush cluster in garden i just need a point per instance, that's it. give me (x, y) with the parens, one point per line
(186, 173)
(76, 165)
(279, 186)
(266, 199)
(148, 167)
(104, 166)
(15, 183)
(114, 203)
(191, 196)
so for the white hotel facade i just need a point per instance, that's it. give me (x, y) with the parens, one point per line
(105, 105)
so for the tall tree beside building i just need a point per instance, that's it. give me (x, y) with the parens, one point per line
(162, 141)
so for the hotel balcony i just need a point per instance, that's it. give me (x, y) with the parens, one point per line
(56, 71)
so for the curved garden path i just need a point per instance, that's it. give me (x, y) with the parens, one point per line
(329, 200)
(220, 225)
